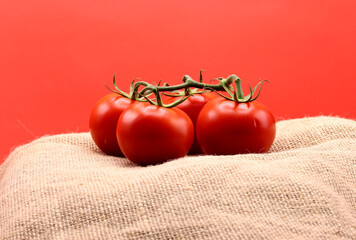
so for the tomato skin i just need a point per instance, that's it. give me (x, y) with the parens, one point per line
(103, 121)
(149, 134)
(225, 127)
(192, 107)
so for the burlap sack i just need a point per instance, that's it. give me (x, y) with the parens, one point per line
(63, 187)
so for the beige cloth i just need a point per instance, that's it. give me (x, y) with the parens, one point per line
(63, 187)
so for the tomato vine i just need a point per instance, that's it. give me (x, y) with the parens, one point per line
(189, 87)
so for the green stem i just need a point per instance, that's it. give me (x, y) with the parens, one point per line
(239, 92)
(188, 83)
(201, 76)
(158, 98)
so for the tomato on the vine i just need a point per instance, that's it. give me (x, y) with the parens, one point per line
(192, 107)
(103, 121)
(149, 134)
(226, 127)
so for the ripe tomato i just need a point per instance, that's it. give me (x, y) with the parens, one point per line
(192, 107)
(149, 134)
(103, 121)
(225, 127)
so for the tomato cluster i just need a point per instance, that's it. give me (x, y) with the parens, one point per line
(148, 132)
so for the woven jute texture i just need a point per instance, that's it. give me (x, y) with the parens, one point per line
(63, 187)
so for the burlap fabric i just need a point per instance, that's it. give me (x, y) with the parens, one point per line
(63, 187)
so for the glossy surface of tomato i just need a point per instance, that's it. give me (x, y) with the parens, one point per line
(103, 121)
(148, 134)
(225, 127)
(192, 107)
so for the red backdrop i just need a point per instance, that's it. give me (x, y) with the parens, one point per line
(55, 56)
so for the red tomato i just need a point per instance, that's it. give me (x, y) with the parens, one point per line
(148, 134)
(225, 127)
(103, 121)
(192, 107)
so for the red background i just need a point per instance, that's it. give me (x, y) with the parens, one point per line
(55, 56)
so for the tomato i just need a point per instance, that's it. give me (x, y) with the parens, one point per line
(149, 134)
(192, 107)
(103, 121)
(225, 127)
